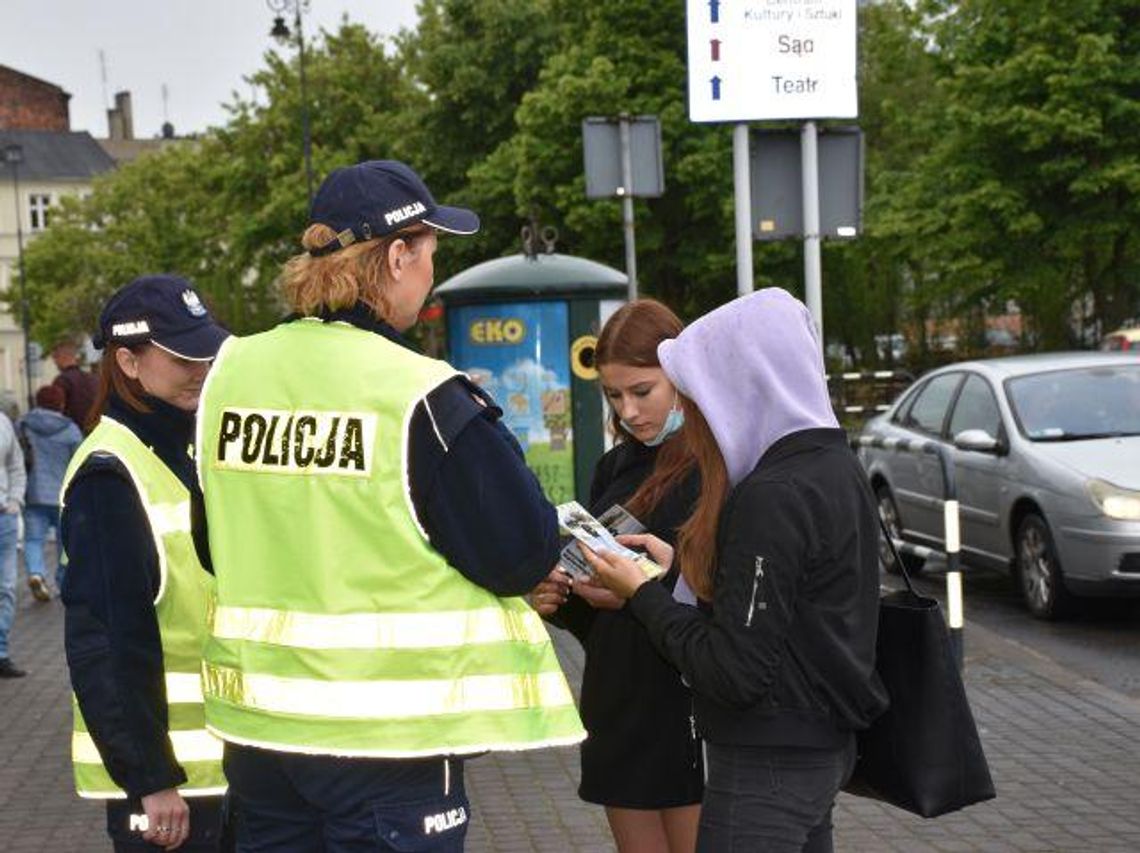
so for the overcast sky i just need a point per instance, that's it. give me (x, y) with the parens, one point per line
(201, 50)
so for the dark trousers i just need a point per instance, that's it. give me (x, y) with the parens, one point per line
(291, 803)
(771, 799)
(206, 827)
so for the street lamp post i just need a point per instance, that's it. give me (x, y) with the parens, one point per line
(282, 33)
(14, 156)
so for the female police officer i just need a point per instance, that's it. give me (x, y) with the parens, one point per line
(135, 594)
(370, 524)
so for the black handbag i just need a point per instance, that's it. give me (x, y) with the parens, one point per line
(923, 754)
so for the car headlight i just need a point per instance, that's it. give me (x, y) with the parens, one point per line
(1114, 501)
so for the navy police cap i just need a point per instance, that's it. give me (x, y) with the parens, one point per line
(377, 198)
(163, 310)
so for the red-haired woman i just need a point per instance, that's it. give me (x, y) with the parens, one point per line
(641, 759)
(784, 542)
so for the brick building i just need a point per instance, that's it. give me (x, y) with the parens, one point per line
(27, 103)
(41, 161)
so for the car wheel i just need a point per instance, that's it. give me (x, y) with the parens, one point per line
(889, 512)
(1039, 570)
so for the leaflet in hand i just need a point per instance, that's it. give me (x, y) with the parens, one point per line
(598, 535)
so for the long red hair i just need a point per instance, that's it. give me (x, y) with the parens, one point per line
(113, 382)
(630, 337)
(696, 540)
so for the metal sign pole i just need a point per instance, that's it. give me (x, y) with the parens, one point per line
(813, 286)
(742, 189)
(626, 193)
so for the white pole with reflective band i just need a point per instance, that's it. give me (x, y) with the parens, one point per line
(951, 527)
(954, 607)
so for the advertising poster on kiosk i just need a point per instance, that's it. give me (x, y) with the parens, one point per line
(520, 353)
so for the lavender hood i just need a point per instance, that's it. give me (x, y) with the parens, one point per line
(754, 369)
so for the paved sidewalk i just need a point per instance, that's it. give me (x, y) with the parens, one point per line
(1064, 751)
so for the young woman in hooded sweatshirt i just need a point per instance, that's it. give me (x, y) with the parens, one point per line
(784, 543)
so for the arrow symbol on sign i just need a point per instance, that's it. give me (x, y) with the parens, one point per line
(714, 11)
(715, 88)
(715, 45)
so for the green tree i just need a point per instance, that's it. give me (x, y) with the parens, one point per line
(476, 59)
(1032, 190)
(614, 58)
(359, 100)
(150, 216)
(868, 282)
(225, 210)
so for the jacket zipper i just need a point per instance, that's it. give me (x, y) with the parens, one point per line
(755, 589)
(694, 740)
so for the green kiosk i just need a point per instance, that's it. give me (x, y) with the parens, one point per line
(524, 328)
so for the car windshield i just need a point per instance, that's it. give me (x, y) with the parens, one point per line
(1077, 404)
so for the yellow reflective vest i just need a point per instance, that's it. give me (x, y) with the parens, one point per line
(182, 605)
(339, 630)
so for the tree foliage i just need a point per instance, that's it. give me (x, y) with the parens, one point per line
(1031, 189)
(227, 209)
(1002, 167)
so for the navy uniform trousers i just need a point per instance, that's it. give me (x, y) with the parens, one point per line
(291, 803)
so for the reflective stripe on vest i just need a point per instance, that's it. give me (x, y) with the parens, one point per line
(338, 629)
(378, 630)
(181, 607)
(197, 745)
(388, 700)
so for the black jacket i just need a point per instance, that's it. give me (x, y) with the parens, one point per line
(787, 656)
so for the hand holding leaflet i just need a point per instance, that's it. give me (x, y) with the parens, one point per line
(617, 571)
(598, 535)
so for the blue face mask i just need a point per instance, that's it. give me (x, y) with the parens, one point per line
(673, 422)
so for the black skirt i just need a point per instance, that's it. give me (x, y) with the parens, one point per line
(641, 751)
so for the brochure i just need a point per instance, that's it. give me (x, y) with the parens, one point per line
(598, 535)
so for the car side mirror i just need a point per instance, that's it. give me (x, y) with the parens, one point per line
(978, 441)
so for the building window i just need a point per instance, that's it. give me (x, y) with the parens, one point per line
(38, 204)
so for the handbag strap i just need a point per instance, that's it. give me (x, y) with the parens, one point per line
(895, 553)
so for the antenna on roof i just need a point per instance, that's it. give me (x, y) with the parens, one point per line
(103, 75)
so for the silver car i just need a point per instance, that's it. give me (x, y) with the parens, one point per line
(1047, 454)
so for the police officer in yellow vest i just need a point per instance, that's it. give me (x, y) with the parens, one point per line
(371, 525)
(135, 593)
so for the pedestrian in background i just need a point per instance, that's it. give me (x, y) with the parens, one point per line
(372, 527)
(13, 480)
(79, 386)
(135, 593)
(50, 438)
(784, 542)
(641, 758)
